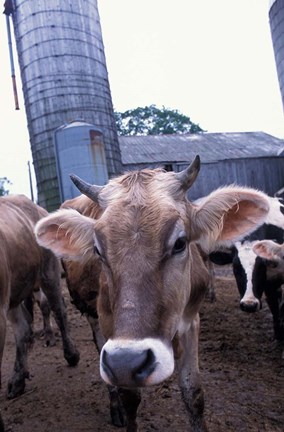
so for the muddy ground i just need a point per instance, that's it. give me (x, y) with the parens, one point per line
(242, 370)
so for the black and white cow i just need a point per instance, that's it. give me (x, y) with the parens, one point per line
(274, 254)
(256, 275)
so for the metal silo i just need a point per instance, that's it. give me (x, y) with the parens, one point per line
(276, 18)
(64, 77)
(79, 148)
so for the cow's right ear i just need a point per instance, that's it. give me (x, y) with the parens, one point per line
(67, 233)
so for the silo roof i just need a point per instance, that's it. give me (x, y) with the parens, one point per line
(76, 123)
(211, 147)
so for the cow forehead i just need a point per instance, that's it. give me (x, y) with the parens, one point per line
(246, 254)
(141, 208)
(142, 199)
(139, 225)
(142, 188)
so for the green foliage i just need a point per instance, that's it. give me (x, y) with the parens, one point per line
(4, 182)
(151, 120)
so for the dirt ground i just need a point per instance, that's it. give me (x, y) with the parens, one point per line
(242, 370)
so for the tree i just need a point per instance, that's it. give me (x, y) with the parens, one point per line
(152, 120)
(3, 183)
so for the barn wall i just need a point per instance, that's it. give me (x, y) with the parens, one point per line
(266, 174)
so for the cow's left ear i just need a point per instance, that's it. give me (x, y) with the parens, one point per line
(227, 215)
(269, 250)
(67, 233)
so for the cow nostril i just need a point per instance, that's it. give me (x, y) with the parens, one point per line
(126, 367)
(146, 368)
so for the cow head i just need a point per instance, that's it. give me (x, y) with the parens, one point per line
(144, 239)
(243, 261)
(250, 274)
(252, 269)
(272, 255)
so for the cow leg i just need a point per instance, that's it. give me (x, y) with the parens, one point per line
(211, 294)
(189, 377)
(117, 411)
(29, 304)
(47, 332)
(131, 399)
(21, 323)
(98, 338)
(2, 344)
(2, 428)
(50, 283)
(275, 301)
(2, 337)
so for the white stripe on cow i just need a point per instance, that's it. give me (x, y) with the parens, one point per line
(275, 215)
(247, 258)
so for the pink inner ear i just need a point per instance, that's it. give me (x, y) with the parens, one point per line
(51, 233)
(262, 251)
(55, 237)
(241, 219)
(46, 234)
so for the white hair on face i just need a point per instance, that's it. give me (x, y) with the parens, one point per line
(247, 259)
(164, 358)
(275, 216)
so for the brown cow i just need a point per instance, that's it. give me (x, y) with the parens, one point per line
(133, 243)
(24, 265)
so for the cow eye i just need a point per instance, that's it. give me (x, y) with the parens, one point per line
(179, 246)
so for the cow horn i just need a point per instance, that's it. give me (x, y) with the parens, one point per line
(91, 191)
(188, 176)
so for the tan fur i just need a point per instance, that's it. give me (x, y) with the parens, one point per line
(24, 266)
(137, 210)
(137, 252)
(18, 217)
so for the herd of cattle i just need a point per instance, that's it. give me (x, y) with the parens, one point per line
(135, 254)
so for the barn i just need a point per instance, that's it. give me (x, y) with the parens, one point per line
(253, 159)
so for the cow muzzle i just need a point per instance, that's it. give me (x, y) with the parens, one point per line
(250, 306)
(136, 363)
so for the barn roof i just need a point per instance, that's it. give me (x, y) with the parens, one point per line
(211, 147)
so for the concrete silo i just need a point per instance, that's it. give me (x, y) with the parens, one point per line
(276, 19)
(64, 78)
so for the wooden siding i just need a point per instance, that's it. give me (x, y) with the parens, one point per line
(254, 159)
(266, 174)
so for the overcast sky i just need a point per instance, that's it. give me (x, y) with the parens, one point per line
(211, 60)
